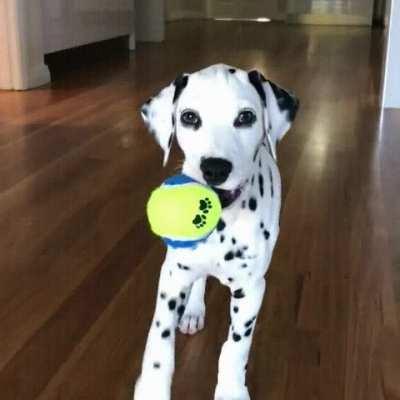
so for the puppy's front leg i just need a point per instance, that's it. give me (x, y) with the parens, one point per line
(245, 305)
(158, 363)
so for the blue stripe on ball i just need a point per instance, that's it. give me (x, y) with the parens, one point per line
(179, 180)
(184, 244)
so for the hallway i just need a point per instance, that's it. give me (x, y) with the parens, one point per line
(79, 267)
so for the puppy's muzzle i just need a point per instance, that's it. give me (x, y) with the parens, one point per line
(215, 170)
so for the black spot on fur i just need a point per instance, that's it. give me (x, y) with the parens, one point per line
(238, 294)
(256, 153)
(232, 70)
(233, 240)
(170, 140)
(266, 235)
(248, 332)
(261, 184)
(236, 337)
(181, 310)
(163, 295)
(157, 365)
(229, 256)
(239, 254)
(244, 204)
(244, 265)
(166, 333)
(272, 182)
(222, 238)
(182, 296)
(148, 101)
(180, 84)
(249, 322)
(230, 279)
(252, 204)
(173, 120)
(236, 309)
(252, 180)
(184, 267)
(286, 101)
(158, 324)
(172, 304)
(262, 225)
(256, 79)
(221, 225)
(259, 163)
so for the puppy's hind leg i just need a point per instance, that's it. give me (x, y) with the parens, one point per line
(193, 318)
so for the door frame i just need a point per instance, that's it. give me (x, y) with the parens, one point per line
(23, 64)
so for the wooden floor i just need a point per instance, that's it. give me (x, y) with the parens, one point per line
(78, 266)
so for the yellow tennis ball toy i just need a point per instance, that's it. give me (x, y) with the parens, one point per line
(183, 211)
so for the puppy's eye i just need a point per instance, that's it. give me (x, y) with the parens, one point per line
(245, 118)
(191, 118)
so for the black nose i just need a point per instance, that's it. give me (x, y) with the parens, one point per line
(215, 170)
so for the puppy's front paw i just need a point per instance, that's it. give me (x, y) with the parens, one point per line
(193, 319)
(191, 324)
(146, 390)
(231, 393)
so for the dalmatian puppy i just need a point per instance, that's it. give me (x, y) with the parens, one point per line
(227, 122)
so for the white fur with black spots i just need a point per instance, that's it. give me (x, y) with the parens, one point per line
(227, 122)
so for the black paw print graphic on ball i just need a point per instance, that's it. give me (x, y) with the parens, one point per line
(201, 218)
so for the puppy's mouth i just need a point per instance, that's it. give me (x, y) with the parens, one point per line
(227, 197)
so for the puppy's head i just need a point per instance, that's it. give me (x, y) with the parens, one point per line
(220, 116)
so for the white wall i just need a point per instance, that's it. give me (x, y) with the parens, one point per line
(150, 20)
(31, 28)
(391, 86)
(5, 65)
(21, 49)
(180, 9)
(350, 7)
(386, 17)
(69, 24)
(331, 12)
(248, 9)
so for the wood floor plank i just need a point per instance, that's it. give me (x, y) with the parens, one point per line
(86, 235)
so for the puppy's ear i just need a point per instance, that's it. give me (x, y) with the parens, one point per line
(158, 113)
(280, 107)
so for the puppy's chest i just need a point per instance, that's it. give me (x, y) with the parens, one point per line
(235, 249)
